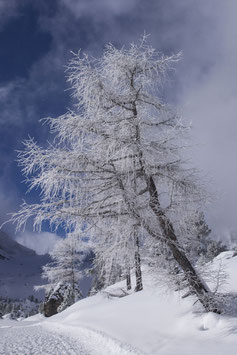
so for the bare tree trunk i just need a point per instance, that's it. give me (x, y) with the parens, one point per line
(73, 274)
(128, 280)
(138, 271)
(196, 284)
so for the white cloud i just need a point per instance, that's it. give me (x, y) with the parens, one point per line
(42, 243)
(208, 93)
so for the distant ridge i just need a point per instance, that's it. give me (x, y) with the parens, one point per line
(20, 269)
(9, 247)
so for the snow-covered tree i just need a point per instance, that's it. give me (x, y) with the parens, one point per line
(118, 156)
(19, 308)
(117, 252)
(198, 243)
(64, 272)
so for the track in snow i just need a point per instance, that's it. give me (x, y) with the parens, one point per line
(56, 339)
(35, 340)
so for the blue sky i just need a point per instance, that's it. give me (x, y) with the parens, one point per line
(36, 38)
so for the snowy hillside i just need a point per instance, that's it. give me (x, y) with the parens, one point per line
(150, 322)
(158, 322)
(20, 269)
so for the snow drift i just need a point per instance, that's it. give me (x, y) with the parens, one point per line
(155, 321)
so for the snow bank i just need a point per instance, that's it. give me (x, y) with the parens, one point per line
(154, 321)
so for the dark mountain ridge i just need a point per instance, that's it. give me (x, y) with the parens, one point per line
(20, 269)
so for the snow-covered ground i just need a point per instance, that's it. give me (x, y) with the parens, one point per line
(37, 337)
(152, 321)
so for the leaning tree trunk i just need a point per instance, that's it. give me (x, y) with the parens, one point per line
(197, 286)
(195, 283)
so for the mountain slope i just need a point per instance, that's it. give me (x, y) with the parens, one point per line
(9, 248)
(20, 269)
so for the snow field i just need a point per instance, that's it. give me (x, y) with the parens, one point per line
(151, 322)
